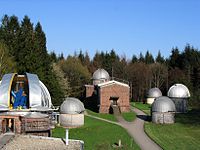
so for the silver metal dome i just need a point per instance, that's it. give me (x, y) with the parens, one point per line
(100, 74)
(154, 92)
(163, 104)
(38, 93)
(72, 106)
(178, 91)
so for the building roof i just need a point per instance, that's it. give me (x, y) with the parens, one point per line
(100, 74)
(154, 92)
(163, 104)
(36, 115)
(178, 91)
(109, 83)
(72, 105)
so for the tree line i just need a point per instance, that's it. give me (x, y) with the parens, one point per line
(23, 49)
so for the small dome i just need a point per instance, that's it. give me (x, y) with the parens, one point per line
(154, 92)
(163, 104)
(100, 74)
(72, 106)
(178, 91)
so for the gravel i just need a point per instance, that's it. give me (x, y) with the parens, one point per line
(24, 142)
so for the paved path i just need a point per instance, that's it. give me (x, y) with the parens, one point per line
(136, 129)
(5, 138)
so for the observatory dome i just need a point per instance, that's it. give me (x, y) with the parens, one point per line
(163, 104)
(72, 106)
(154, 92)
(101, 74)
(178, 91)
(36, 93)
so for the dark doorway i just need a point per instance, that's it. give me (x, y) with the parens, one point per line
(9, 125)
(110, 110)
(114, 100)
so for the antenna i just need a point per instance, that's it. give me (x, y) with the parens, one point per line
(112, 72)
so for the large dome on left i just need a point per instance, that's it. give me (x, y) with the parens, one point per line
(36, 94)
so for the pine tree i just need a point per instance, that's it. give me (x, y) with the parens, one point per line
(61, 57)
(134, 59)
(9, 32)
(141, 58)
(149, 58)
(174, 58)
(159, 58)
(53, 57)
(81, 57)
(24, 57)
(7, 63)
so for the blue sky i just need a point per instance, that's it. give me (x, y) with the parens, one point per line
(128, 26)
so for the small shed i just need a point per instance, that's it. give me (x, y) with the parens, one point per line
(113, 93)
(152, 94)
(180, 94)
(163, 110)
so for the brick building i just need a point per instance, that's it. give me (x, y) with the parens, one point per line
(105, 92)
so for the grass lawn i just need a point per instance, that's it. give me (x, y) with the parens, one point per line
(110, 117)
(183, 135)
(144, 107)
(129, 116)
(98, 135)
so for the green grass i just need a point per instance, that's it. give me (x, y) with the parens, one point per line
(183, 135)
(98, 135)
(110, 117)
(144, 107)
(129, 116)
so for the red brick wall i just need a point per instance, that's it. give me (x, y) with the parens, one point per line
(17, 123)
(115, 90)
(37, 126)
(89, 89)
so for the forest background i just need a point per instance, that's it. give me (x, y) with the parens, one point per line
(23, 49)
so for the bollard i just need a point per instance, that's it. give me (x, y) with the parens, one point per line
(67, 136)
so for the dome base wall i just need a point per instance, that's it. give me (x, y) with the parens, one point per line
(163, 118)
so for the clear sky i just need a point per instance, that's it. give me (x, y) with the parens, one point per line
(128, 26)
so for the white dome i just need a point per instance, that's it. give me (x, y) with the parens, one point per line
(101, 74)
(72, 106)
(154, 92)
(163, 104)
(178, 91)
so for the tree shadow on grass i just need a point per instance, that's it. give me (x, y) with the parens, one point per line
(190, 118)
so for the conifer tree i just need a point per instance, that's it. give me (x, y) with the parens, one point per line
(134, 59)
(149, 58)
(159, 58)
(141, 58)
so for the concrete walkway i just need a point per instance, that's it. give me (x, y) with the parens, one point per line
(5, 138)
(136, 129)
